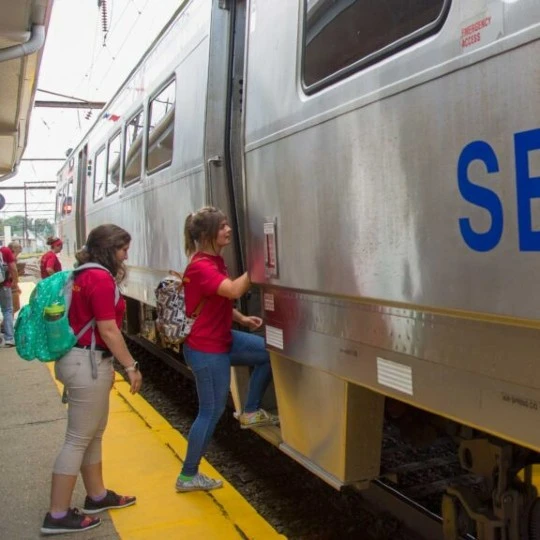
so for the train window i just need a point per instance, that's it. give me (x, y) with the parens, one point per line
(133, 148)
(67, 205)
(113, 164)
(99, 174)
(341, 36)
(60, 202)
(161, 129)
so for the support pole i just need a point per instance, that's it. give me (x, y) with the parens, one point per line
(25, 223)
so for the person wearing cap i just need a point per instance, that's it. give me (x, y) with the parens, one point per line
(50, 264)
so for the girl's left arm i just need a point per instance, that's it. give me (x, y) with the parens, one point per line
(250, 322)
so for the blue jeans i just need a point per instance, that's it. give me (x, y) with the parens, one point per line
(213, 378)
(6, 304)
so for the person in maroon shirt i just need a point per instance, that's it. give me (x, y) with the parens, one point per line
(16, 249)
(6, 295)
(88, 377)
(212, 346)
(49, 263)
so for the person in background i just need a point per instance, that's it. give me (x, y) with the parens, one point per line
(16, 249)
(6, 296)
(89, 379)
(50, 263)
(212, 346)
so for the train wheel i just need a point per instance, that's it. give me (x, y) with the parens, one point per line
(534, 521)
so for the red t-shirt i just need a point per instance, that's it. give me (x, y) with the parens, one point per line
(93, 298)
(8, 257)
(49, 260)
(211, 332)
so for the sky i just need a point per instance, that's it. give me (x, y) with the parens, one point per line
(81, 60)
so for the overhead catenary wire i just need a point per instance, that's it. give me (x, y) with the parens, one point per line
(89, 72)
(123, 44)
(95, 89)
(126, 20)
(113, 26)
(102, 5)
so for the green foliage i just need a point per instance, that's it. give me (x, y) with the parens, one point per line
(17, 224)
(40, 227)
(43, 227)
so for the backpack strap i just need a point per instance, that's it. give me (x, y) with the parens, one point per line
(180, 277)
(195, 313)
(68, 291)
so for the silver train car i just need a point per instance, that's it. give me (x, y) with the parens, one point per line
(380, 163)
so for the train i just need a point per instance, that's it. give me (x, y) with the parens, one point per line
(379, 163)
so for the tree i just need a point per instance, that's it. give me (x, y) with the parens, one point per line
(43, 228)
(17, 224)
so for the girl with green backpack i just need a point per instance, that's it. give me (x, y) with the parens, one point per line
(89, 382)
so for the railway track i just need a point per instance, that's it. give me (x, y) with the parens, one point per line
(402, 505)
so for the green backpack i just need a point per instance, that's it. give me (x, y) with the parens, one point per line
(48, 340)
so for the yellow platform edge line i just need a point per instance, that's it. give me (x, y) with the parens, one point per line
(143, 455)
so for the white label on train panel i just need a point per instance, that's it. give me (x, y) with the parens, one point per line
(394, 375)
(274, 337)
(268, 302)
(482, 29)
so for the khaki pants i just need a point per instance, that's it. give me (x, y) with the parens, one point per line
(88, 409)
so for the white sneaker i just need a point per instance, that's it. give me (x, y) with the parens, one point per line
(200, 482)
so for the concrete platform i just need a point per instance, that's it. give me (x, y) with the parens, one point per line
(32, 429)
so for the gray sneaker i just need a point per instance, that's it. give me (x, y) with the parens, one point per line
(199, 482)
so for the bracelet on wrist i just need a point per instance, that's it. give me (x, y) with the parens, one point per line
(133, 367)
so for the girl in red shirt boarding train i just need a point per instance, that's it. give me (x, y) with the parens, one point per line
(212, 347)
(89, 383)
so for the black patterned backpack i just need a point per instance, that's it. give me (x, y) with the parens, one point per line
(172, 322)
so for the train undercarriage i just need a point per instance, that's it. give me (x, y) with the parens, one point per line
(507, 505)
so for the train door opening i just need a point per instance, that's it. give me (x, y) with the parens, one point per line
(234, 139)
(80, 204)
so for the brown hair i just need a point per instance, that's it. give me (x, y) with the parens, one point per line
(52, 240)
(101, 246)
(201, 228)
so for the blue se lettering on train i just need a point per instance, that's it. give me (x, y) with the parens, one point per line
(527, 188)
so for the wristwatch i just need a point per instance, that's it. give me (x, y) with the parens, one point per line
(133, 367)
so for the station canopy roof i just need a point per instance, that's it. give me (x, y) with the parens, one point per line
(23, 27)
